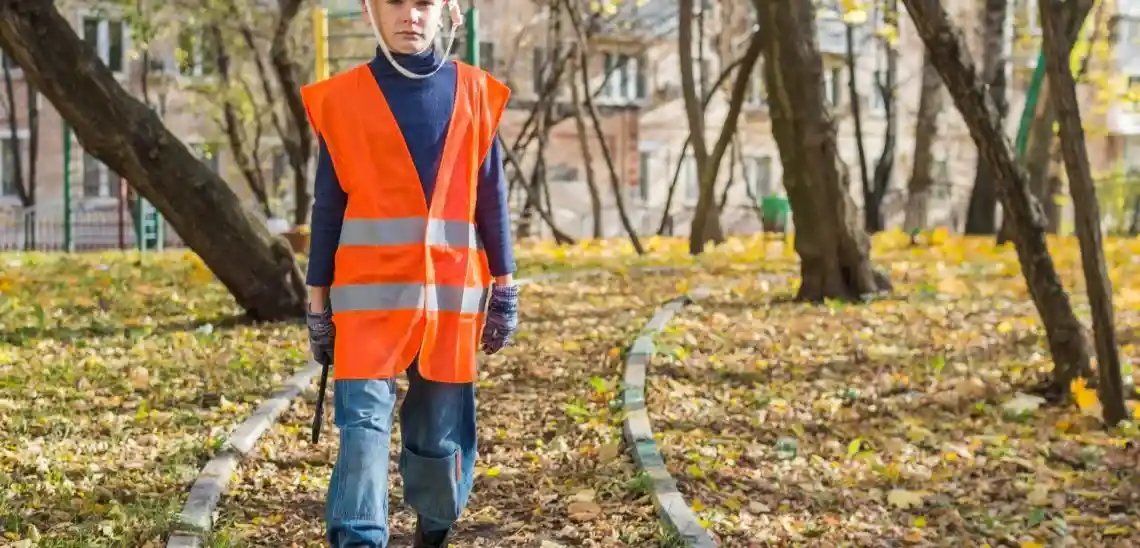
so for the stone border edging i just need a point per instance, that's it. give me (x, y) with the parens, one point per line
(671, 505)
(197, 516)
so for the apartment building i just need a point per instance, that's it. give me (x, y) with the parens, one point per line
(640, 106)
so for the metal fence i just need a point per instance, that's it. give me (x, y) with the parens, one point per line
(43, 228)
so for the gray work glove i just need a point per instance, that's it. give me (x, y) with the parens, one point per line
(502, 318)
(321, 335)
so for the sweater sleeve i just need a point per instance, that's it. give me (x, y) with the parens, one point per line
(492, 213)
(329, 203)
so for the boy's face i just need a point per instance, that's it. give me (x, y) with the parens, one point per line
(407, 26)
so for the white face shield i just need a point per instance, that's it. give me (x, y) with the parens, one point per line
(456, 22)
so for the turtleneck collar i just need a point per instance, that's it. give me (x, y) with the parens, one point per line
(419, 63)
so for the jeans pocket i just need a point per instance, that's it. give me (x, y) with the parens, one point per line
(431, 485)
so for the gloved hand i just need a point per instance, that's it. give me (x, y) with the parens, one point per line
(321, 335)
(502, 318)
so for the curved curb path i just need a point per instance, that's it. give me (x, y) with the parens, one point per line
(196, 519)
(671, 506)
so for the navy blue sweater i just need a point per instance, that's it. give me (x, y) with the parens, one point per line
(422, 109)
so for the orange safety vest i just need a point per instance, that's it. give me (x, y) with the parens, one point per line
(408, 280)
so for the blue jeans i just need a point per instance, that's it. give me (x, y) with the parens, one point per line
(437, 460)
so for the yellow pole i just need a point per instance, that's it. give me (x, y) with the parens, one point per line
(321, 39)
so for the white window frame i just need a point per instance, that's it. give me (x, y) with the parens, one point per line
(195, 56)
(622, 85)
(22, 135)
(103, 37)
(107, 176)
(752, 165)
(831, 93)
(691, 177)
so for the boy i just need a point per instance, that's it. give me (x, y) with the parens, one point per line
(410, 226)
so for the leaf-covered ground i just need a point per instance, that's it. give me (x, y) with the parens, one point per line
(120, 378)
(903, 421)
(552, 465)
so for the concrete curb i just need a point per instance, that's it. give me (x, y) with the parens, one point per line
(197, 516)
(671, 506)
(196, 520)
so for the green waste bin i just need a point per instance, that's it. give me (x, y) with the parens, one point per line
(774, 211)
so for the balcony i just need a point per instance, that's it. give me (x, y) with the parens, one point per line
(831, 35)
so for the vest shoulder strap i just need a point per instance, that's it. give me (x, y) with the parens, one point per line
(315, 95)
(488, 98)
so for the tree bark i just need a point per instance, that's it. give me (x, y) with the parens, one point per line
(981, 217)
(954, 63)
(706, 225)
(298, 139)
(13, 128)
(1087, 211)
(124, 134)
(834, 251)
(925, 134)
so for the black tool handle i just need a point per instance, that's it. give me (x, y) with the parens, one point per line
(319, 415)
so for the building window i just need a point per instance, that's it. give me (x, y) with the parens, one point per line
(537, 73)
(197, 53)
(833, 85)
(692, 179)
(756, 95)
(107, 37)
(9, 147)
(626, 77)
(644, 176)
(97, 178)
(758, 176)
(487, 56)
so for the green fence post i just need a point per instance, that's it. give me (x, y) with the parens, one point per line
(68, 236)
(472, 36)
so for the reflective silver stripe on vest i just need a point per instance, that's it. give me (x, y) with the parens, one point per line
(379, 297)
(409, 230)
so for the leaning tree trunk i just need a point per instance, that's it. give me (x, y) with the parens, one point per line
(925, 133)
(124, 134)
(981, 217)
(1039, 147)
(1086, 209)
(951, 57)
(834, 251)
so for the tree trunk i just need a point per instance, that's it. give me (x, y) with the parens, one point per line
(13, 131)
(559, 236)
(885, 166)
(857, 119)
(925, 134)
(1038, 151)
(981, 217)
(706, 223)
(124, 134)
(1087, 211)
(954, 63)
(615, 180)
(298, 139)
(232, 124)
(834, 251)
(587, 161)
